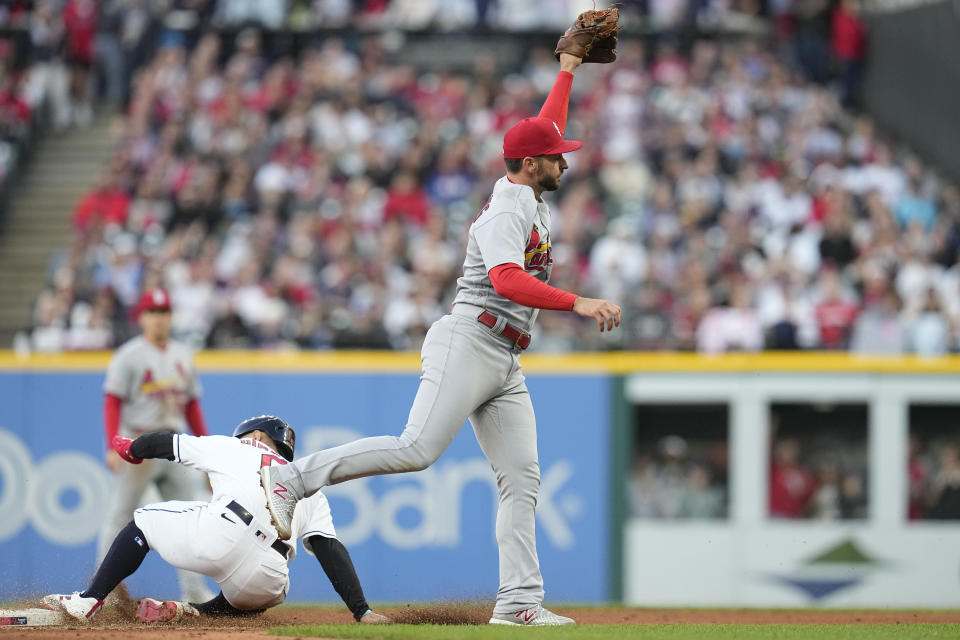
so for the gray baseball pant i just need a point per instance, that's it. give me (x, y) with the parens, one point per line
(173, 482)
(468, 372)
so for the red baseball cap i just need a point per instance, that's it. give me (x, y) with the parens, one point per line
(536, 137)
(154, 300)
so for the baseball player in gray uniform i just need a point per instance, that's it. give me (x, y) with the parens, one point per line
(230, 538)
(470, 367)
(151, 386)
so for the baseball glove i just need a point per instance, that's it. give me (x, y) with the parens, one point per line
(593, 36)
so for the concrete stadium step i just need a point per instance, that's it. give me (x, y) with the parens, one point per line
(39, 224)
(33, 254)
(25, 261)
(51, 227)
(15, 318)
(29, 287)
(21, 277)
(23, 281)
(54, 185)
(62, 174)
(23, 286)
(60, 170)
(42, 216)
(41, 204)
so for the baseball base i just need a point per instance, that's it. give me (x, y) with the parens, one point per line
(31, 618)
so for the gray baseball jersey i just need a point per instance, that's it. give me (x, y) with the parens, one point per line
(513, 227)
(471, 373)
(155, 385)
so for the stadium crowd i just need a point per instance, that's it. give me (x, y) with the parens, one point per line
(933, 472)
(679, 478)
(321, 201)
(817, 472)
(818, 478)
(57, 57)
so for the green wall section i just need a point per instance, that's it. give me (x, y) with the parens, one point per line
(621, 444)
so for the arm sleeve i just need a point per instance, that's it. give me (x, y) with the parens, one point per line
(111, 416)
(555, 108)
(153, 445)
(336, 563)
(513, 283)
(194, 415)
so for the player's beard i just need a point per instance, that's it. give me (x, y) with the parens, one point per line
(547, 182)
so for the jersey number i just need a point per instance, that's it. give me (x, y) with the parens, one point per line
(268, 459)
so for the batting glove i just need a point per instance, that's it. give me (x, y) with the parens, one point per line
(122, 446)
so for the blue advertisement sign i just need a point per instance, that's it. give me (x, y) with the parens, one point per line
(413, 537)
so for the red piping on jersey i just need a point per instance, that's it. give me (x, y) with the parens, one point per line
(515, 284)
(111, 416)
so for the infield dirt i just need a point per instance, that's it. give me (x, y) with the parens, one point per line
(118, 622)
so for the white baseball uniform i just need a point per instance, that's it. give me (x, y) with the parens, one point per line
(155, 386)
(210, 538)
(468, 371)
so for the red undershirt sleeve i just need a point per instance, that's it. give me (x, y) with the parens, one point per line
(515, 284)
(111, 416)
(555, 108)
(194, 414)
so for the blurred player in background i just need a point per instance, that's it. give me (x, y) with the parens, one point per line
(151, 386)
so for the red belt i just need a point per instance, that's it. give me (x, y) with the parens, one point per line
(520, 339)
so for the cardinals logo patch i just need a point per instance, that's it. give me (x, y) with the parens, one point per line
(149, 386)
(537, 255)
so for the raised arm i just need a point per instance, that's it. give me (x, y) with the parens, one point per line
(555, 107)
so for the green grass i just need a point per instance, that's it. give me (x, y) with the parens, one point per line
(616, 632)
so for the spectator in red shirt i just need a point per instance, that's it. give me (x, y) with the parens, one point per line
(835, 314)
(406, 200)
(14, 110)
(108, 203)
(791, 484)
(849, 44)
